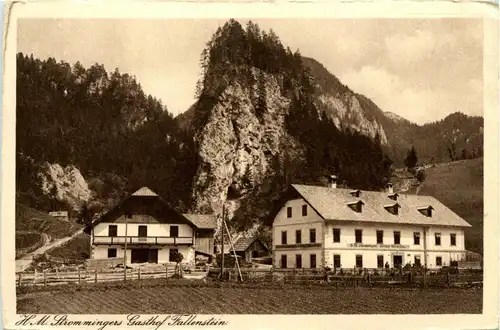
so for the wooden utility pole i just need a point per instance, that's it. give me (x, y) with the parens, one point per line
(222, 243)
(125, 251)
(234, 251)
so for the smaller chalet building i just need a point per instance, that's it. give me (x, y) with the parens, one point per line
(61, 215)
(151, 229)
(316, 227)
(248, 248)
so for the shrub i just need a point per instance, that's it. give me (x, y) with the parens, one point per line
(421, 175)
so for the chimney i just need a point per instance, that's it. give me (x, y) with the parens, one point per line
(390, 189)
(332, 181)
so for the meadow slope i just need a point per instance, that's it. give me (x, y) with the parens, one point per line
(459, 186)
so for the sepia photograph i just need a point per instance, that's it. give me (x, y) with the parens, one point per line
(255, 165)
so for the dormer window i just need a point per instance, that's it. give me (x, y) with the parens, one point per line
(427, 211)
(356, 206)
(393, 208)
(394, 196)
(356, 193)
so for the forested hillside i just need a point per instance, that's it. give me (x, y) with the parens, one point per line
(104, 124)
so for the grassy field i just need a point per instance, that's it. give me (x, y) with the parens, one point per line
(26, 239)
(77, 248)
(30, 224)
(253, 300)
(28, 219)
(460, 187)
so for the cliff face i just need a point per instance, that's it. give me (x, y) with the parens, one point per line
(346, 111)
(67, 184)
(342, 105)
(259, 125)
(238, 150)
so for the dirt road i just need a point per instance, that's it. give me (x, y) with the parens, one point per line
(26, 260)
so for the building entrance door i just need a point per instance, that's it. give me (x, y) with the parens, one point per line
(144, 255)
(397, 261)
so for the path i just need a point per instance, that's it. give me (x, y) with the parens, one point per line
(26, 260)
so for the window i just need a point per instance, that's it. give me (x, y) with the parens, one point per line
(359, 235)
(380, 236)
(356, 193)
(171, 254)
(298, 261)
(304, 210)
(437, 238)
(417, 260)
(298, 236)
(283, 261)
(394, 197)
(394, 209)
(312, 235)
(174, 231)
(289, 212)
(143, 231)
(380, 261)
(453, 239)
(427, 211)
(439, 261)
(283, 238)
(111, 253)
(336, 235)
(313, 260)
(359, 261)
(336, 261)
(397, 237)
(112, 230)
(356, 206)
(416, 238)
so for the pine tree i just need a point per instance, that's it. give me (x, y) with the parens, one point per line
(411, 158)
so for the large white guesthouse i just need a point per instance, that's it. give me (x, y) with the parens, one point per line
(326, 226)
(149, 230)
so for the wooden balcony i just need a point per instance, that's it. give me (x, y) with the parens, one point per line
(147, 240)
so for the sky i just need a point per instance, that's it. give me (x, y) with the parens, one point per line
(420, 69)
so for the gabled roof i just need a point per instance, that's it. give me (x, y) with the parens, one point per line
(359, 201)
(331, 204)
(243, 243)
(144, 191)
(202, 221)
(147, 197)
(427, 207)
(396, 204)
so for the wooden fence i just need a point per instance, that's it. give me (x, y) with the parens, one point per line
(346, 278)
(81, 276)
(349, 277)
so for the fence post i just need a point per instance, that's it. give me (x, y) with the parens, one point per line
(34, 278)
(20, 275)
(95, 276)
(166, 271)
(44, 278)
(139, 273)
(79, 277)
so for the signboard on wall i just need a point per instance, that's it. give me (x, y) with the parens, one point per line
(362, 245)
